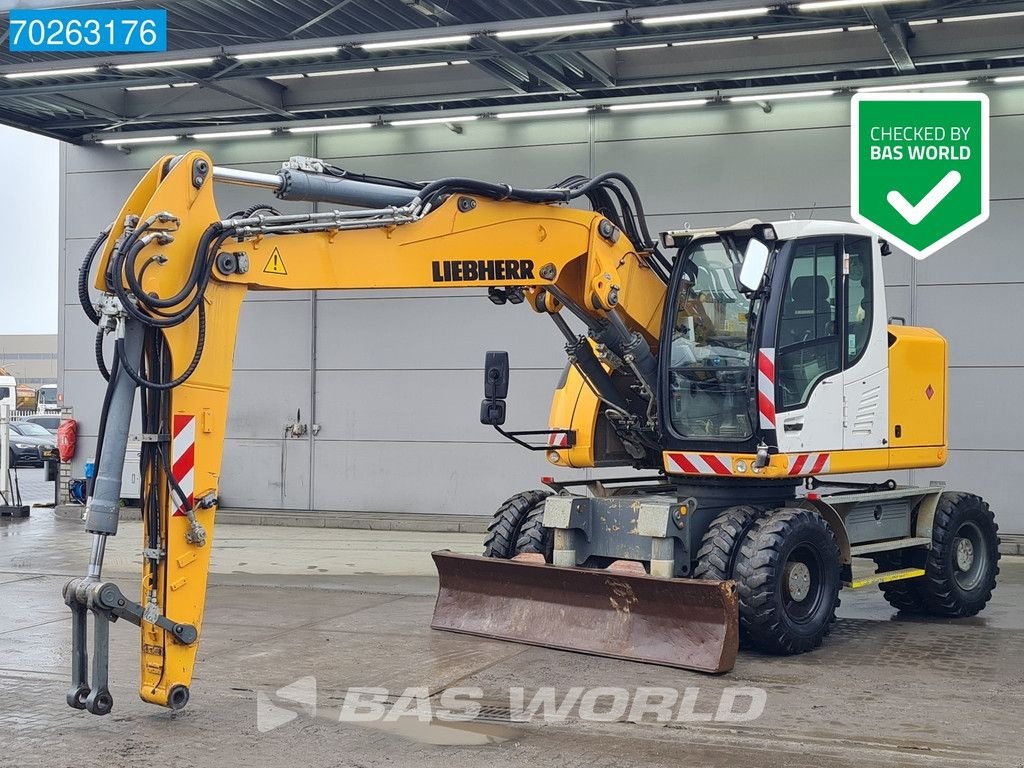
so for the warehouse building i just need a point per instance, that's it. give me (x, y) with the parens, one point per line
(385, 385)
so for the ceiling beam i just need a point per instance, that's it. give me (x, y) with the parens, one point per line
(534, 68)
(893, 39)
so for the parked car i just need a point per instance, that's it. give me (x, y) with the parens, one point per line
(31, 445)
(48, 420)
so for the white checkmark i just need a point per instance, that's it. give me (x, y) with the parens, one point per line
(915, 214)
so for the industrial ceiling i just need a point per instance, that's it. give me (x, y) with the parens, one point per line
(294, 65)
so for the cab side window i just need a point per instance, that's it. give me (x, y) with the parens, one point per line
(808, 347)
(859, 295)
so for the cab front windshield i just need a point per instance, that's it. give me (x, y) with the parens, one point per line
(709, 367)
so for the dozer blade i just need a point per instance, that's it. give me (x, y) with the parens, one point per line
(685, 623)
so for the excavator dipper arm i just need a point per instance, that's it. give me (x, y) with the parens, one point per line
(173, 272)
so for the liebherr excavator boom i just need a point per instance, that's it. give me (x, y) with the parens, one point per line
(755, 359)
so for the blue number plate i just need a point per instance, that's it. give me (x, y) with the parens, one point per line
(88, 30)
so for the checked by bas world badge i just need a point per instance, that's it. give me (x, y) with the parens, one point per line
(919, 173)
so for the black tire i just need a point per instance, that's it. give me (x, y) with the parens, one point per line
(534, 538)
(503, 532)
(902, 595)
(788, 549)
(948, 588)
(720, 546)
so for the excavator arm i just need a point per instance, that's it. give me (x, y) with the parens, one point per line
(173, 272)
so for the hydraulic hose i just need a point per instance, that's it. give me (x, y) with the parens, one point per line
(83, 276)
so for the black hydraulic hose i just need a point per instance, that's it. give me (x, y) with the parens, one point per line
(139, 379)
(83, 276)
(197, 266)
(102, 430)
(101, 364)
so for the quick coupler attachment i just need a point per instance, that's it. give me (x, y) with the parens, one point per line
(107, 604)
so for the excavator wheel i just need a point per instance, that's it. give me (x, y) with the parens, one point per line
(962, 565)
(504, 532)
(534, 537)
(904, 595)
(720, 546)
(788, 579)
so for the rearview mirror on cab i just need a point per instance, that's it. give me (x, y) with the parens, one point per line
(755, 262)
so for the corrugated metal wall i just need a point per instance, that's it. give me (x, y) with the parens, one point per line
(393, 379)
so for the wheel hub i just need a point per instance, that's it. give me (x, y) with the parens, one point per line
(798, 581)
(964, 554)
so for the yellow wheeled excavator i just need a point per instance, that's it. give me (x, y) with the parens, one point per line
(742, 366)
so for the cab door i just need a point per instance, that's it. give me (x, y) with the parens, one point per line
(809, 379)
(865, 347)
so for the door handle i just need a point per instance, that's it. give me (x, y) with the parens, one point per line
(793, 425)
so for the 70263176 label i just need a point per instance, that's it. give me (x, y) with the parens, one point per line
(88, 30)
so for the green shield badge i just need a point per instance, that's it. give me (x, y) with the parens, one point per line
(920, 172)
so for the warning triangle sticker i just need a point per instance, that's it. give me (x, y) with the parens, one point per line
(275, 264)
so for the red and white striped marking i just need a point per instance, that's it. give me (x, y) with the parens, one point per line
(766, 387)
(698, 463)
(183, 458)
(558, 439)
(809, 463)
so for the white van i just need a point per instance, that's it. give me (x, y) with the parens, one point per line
(9, 392)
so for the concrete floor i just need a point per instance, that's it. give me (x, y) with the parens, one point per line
(351, 608)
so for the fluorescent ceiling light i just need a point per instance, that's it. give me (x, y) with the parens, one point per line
(982, 17)
(157, 87)
(333, 72)
(922, 22)
(164, 64)
(828, 5)
(285, 77)
(689, 18)
(658, 105)
(801, 33)
(421, 66)
(543, 113)
(567, 29)
(421, 43)
(435, 120)
(285, 54)
(641, 47)
(52, 73)
(138, 140)
(712, 41)
(322, 128)
(231, 134)
(1009, 79)
(778, 96)
(913, 86)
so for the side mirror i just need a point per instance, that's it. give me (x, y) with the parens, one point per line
(492, 409)
(755, 262)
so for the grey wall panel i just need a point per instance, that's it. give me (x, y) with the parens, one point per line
(263, 401)
(437, 139)
(380, 355)
(704, 178)
(976, 321)
(443, 478)
(448, 333)
(273, 334)
(991, 253)
(975, 422)
(417, 405)
(265, 474)
(984, 473)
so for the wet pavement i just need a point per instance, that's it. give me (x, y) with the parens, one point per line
(298, 618)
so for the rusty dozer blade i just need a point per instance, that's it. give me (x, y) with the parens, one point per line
(685, 623)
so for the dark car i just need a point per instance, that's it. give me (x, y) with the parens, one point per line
(50, 421)
(31, 445)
